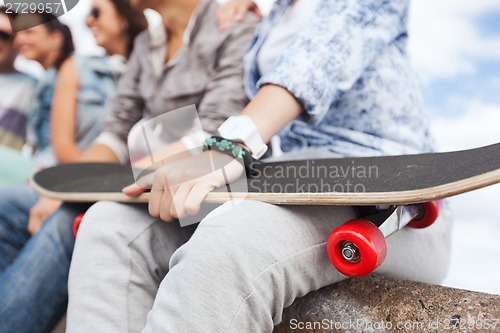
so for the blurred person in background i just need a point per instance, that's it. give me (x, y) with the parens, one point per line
(16, 92)
(185, 61)
(16, 95)
(41, 37)
(84, 92)
(86, 86)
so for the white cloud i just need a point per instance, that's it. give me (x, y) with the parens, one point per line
(475, 252)
(479, 125)
(477, 225)
(445, 40)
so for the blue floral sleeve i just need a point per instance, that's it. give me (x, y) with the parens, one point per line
(331, 53)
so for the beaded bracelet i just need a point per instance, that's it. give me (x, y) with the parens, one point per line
(231, 149)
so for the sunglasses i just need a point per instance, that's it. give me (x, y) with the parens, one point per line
(5, 36)
(95, 13)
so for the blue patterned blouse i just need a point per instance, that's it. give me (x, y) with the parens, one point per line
(350, 70)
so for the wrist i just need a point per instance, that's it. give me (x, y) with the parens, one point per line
(242, 130)
(232, 149)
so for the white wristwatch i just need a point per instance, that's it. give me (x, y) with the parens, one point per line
(242, 129)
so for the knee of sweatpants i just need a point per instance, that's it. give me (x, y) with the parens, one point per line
(222, 239)
(111, 221)
(98, 220)
(266, 255)
(248, 237)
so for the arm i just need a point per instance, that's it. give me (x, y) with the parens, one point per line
(170, 150)
(99, 153)
(64, 113)
(272, 109)
(332, 52)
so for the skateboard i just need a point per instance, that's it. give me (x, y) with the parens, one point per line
(389, 192)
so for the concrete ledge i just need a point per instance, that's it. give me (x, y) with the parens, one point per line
(379, 304)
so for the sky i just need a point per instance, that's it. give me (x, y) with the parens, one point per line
(455, 47)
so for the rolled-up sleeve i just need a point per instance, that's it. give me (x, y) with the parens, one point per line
(333, 51)
(225, 95)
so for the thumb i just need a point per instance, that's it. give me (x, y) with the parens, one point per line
(140, 186)
(34, 224)
(133, 190)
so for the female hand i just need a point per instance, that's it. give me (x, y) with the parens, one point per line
(40, 212)
(235, 11)
(179, 187)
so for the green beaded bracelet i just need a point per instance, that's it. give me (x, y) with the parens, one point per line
(231, 149)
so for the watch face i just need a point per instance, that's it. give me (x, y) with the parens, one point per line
(242, 129)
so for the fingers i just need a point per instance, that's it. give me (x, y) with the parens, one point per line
(170, 203)
(179, 195)
(195, 197)
(241, 12)
(225, 16)
(179, 190)
(235, 11)
(140, 186)
(188, 197)
(156, 198)
(40, 212)
(35, 223)
(133, 190)
(166, 203)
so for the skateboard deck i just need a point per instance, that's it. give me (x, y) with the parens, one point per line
(394, 180)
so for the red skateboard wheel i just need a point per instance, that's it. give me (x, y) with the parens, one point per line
(429, 215)
(356, 248)
(76, 223)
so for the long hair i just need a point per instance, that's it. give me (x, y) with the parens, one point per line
(136, 20)
(52, 24)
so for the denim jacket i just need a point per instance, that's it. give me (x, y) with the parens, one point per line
(349, 69)
(97, 88)
(98, 84)
(39, 116)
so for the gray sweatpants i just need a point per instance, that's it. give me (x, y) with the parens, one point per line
(234, 272)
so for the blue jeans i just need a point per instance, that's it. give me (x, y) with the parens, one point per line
(33, 270)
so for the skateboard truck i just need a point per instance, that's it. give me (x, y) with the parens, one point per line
(358, 247)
